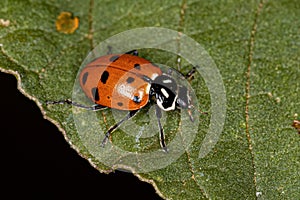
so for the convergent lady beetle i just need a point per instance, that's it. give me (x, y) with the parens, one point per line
(128, 82)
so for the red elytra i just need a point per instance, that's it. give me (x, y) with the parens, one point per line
(116, 81)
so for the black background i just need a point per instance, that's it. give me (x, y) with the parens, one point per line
(39, 164)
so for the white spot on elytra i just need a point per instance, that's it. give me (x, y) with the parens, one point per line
(125, 90)
(148, 88)
(154, 76)
(141, 94)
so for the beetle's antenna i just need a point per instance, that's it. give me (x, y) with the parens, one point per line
(202, 112)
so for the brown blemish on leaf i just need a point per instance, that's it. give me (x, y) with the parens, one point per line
(4, 23)
(296, 125)
(66, 23)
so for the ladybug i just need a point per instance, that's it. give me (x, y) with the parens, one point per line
(129, 82)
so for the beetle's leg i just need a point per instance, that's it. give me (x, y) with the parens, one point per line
(190, 115)
(161, 130)
(133, 52)
(114, 127)
(68, 101)
(109, 51)
(190, 74)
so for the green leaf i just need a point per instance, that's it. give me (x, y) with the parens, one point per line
(256, 47)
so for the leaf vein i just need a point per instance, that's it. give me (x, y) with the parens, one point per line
(90, 22)
(248, 85)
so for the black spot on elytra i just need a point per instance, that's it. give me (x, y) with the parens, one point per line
(84, 77)
(120, 104)
(136, 99)
(114, 58)
(104, 77)
(130, 80)
(137, 66)
(95, 93)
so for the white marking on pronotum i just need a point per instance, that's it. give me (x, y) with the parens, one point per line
(172, 107)
(167, 81)
(165, 93)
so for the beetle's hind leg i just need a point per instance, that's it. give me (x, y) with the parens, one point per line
(94, 107)
(114, 127)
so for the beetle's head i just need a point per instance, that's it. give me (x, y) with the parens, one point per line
(169, 95)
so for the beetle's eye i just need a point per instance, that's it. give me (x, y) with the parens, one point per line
(183, 99)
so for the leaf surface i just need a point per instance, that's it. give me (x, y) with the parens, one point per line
(256, 47)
